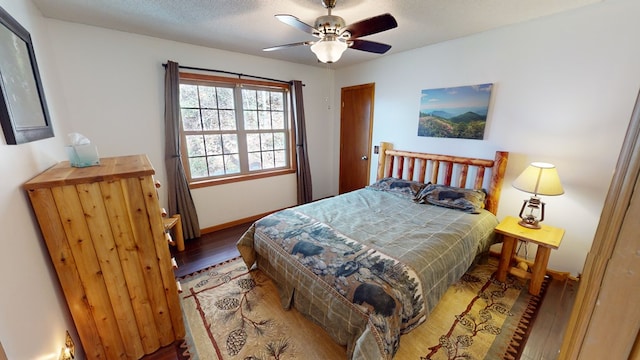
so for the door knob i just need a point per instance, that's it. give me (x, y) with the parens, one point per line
(365, 157)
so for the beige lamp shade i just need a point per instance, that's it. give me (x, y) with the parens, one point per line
(329, 49)
(539, 179)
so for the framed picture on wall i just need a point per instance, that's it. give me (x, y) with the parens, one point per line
(23, 110)
(455, 112)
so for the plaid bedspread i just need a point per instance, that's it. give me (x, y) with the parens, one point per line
(367, 265)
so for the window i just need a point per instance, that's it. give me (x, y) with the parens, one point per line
(234, 129)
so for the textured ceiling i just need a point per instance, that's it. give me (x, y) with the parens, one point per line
(248, 26)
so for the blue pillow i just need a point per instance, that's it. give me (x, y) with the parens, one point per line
(467, 200)
(404, 188)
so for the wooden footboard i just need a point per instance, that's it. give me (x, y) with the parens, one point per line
(464, 172)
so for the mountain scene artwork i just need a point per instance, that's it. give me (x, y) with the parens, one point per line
(455, 112)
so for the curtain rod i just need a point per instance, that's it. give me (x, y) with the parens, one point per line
(230, 73)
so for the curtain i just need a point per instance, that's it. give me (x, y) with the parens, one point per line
(179, 195)
(303, 170)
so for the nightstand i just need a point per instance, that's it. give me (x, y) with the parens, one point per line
(547, 238)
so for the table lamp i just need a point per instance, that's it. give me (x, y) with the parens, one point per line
(538, 179)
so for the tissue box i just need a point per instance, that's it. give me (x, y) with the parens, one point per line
(82, 155)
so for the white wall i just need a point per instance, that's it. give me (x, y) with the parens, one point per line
(33, 313)
(564, 90)
(112, 92)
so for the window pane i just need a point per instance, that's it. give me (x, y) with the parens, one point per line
(230, 144)
(232, 163)
(264, 118)
(277, 120)
(208, 97)
(255, 161)
(210, 120)
(253, 142)
(277, 101)
(279, 141)
(250, 120)
(198, 167)
(266, 142)
(191, 120)
(195, 145)
(214, 144)
(227, 120)
(249, 99)
(263, 100)
(280, 158)
(267, 160)
(188, 95)
(216, 165)
(225, 98)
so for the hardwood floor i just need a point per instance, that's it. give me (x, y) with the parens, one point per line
(544, 341)
(209, 249)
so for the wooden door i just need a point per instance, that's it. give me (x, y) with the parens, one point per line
(605, 317)
(3, 356)
(356, 117)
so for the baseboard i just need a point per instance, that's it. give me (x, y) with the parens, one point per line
(231, 224)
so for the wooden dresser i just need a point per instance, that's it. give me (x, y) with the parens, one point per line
(105, 234)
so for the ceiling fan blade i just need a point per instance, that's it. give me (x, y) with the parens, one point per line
(287, 46)
(370, 46)
(296, 23)
(370, 26)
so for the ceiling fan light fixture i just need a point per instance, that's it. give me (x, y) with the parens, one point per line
(334, 36)
(329, 49)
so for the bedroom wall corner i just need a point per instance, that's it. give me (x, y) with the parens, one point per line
(34, 314)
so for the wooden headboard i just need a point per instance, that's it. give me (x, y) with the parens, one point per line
(448, 170)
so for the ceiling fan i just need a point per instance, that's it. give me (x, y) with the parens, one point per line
(335, 36)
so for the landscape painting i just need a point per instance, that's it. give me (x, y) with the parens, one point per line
(456, 112)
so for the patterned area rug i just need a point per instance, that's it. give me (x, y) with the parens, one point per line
(477, 318)
(231, 313)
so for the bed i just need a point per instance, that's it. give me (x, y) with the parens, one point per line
(369, 265)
